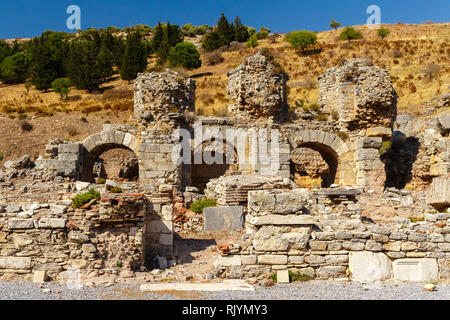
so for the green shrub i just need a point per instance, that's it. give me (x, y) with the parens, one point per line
(116, 190)
(101, 181)
(322, 117)
(350, 33)
(81, 199)
(1, 157)
(252, 41)
(383, 32)
(62, 86)
(199, 205)
(185, 54)
(385, 147)
(301, 39)
(293, 277)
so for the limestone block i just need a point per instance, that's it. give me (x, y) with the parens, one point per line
(158, 226)
(369, 143)
(412, 269)
(439, 193)
(282, 276)
(367, 154)
(369, 266)
(40, 276)
(70, 148)
(281, 238)
(223, 218)
(166, 239)
(20, 224)
(275, 219)
(15, 263)
(228, 261)
(331, 272)
(52, 223)
(58, 208)
(77, 237)
(438, 169)
(379, 132)
(248, 259)
(272, 259)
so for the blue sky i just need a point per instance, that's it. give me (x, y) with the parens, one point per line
(27, 18)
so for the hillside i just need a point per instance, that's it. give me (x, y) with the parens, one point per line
(405, 53)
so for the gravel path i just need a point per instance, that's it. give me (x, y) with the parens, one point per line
(315, 290)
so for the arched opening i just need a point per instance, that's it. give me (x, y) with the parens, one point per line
(225, 160)
(314, 164)
(111, 161)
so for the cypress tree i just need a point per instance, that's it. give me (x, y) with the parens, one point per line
(225, 30)
(43, 69)
(135, 58)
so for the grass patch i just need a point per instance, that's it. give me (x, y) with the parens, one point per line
(293, 277)
(199, 205)
(385, 147)
(82, 199)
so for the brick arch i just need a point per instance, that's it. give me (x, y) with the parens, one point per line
(330, 146)
(98, 143)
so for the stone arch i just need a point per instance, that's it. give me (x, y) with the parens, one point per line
(330, 146)
(202, 173)
(98, 143)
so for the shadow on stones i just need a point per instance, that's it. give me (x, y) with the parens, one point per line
(399, 160)
(184, 248)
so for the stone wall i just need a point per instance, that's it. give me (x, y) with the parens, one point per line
(283, 232)
(119, 233)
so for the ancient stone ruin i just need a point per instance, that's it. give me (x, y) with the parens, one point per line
(362, 221)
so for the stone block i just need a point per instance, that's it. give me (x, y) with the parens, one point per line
(15, 263)
(166, 239)
(369, 266)
(379, 132)
(158, 226)
(412, 269)
(228, 261)
(329, 272)
(223, 218)
(272, 259)
(438, 169)
(283, 276)
(369, 143)
(52, 223)
(367, 154)
(439, 193)
(353, 245)
(77, 237)
(275, 219)
(70, 148)
(40, 276)
(248, 259)
(20, 224)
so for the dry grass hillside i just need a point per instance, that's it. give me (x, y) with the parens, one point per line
(406, 53)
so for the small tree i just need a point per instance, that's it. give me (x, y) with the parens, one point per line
(383, 32)
(334, 24)
(431, 70)
(62, 87)
(252, 41)
(14, 69)
(185, 54)
(350, 33)
(301, 39)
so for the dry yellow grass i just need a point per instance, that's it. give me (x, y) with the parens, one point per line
(404, 53)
